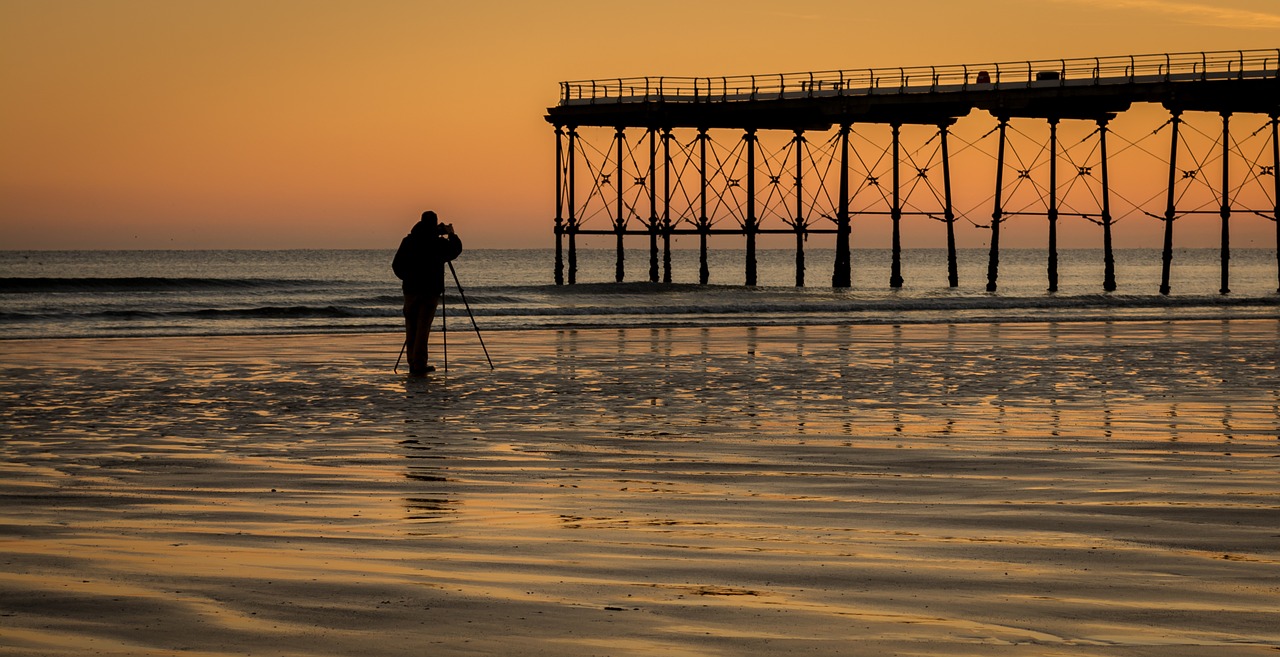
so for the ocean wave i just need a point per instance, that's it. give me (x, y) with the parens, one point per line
(704, 305)
(778, 304)
(262, 312)
(38, 285)
(661, 322)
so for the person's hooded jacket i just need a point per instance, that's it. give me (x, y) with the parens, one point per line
(420, 260)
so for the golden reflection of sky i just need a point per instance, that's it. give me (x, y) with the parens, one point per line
(977, 484)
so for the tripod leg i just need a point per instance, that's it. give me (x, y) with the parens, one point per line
(470, 314)
(444, 330)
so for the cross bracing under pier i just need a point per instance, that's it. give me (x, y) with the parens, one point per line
(826, 152)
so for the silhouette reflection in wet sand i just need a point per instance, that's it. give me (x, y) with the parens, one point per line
(928, 489)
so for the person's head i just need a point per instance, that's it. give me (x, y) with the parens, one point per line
(429, 224)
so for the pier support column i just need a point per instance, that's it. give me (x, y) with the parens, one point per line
(559, 271)
(573, 211)
(704, 224)
(993, 261)
(666, 205)
(1053, 205)
(752, 222)
(1108, 254)
(1166, 257)
(1226, 204)
(841, 277)
(800, 223)
(653, 205)
(1275, 176)
(948, 213)
(619, 221)
(895, 213)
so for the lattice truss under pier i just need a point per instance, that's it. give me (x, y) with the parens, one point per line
(660, 182)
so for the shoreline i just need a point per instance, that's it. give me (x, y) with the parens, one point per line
(745, 322)
(963, 489)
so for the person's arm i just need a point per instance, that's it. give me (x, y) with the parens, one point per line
(454, 248)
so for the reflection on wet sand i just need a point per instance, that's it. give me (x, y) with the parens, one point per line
(923, 489)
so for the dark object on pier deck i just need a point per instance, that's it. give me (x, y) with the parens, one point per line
(1090, 89)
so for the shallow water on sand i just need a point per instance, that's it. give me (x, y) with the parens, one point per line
(956, 489)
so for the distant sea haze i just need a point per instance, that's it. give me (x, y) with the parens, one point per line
(63, 294)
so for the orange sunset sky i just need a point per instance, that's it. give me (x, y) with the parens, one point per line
(319, 124)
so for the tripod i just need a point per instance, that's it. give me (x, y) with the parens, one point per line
(444, 327)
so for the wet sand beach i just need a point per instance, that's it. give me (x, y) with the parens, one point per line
(976, 489)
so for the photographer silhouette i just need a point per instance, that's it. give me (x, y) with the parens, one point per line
(419, 263)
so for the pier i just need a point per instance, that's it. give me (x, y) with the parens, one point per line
(819, 152)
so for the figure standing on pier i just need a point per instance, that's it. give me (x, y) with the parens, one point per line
(419, 263)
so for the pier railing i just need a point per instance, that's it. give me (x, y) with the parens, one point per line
(1129, 69)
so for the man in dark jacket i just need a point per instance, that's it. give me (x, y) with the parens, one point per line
(420, 264)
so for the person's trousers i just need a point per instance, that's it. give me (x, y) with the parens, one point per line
(419, 312)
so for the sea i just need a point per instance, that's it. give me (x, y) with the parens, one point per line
(97, 294)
